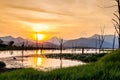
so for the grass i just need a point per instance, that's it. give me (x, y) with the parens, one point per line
(107, 68)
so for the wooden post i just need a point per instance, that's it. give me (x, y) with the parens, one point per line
(82, 50)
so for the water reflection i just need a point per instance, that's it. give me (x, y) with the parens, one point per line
(61, 63)
(34, 59)
(38, 52)
(41, 62)
(39, 59)
(11, 52)
(22, 58)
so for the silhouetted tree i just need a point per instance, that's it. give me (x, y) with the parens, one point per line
(101, 38)
(23, 45)
(61, 41)
(113, 46)
(2, 44)
(1, 41)
(117, 21)
(11, 43)
(61, 49)
(61, 45)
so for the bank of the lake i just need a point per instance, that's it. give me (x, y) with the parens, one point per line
(80, 57)
(107, 68)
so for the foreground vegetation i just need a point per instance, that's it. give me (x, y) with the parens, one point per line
(107, 68)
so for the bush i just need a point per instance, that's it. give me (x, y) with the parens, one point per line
(2, 64)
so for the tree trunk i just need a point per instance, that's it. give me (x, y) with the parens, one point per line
(119, 42)
(119, 23)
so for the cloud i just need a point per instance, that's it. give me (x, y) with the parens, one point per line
(75, 16)
(48, 32)
(37, 10)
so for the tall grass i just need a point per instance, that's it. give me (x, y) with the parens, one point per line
(107, 68)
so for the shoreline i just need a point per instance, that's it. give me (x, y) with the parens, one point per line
(3, 70)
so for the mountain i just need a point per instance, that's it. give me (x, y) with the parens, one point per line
(85, 42)
(92, 42)
(7, 38)
(55, 40)
(109, 39)
(19, 41)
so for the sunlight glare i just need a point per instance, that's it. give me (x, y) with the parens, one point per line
(40, 36)
(39, 61)
(39, 52)
(39, 27)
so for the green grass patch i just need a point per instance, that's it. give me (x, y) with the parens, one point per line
(82, 57)
(107, 68)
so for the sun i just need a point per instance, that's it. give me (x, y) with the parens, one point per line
(40, 36)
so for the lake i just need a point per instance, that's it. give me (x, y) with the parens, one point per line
(35, 59)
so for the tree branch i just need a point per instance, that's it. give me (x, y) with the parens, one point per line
(115, 21)
(116, 29)
(116, 16)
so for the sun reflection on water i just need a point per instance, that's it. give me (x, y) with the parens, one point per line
(38, 52)
(38, 60)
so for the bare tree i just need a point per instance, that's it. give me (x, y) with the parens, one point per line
(117, 20)
(61, 46)
(11, 43)
(22, 45)
(1, 41)
(61, 41)
(101, 38)
(96, 44)
(113, 46)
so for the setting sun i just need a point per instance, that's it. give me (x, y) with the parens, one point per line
(40, 36)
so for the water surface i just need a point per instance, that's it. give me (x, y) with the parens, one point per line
(35, 59)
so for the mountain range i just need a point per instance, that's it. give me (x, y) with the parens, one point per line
(19, 41)
(91, 42)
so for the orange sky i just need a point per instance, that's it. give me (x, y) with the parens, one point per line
(68, 19)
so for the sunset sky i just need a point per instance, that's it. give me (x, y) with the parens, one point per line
(67, 19)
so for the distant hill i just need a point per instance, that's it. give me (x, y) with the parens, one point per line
(86, 42)
(19, 41)
(109, 39)
(54, 42)
(91, 42)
